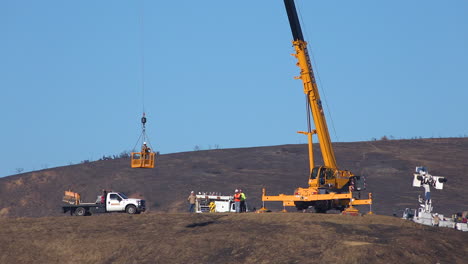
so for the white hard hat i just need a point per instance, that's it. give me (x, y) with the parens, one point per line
(436, 214)
(144, 143)
(192, 192)
(236, 190)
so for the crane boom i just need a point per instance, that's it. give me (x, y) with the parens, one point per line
(310, 86)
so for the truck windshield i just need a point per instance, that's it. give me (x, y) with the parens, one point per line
(123, 195)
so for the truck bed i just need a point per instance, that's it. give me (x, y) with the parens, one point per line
(82, 205)
(92, 208)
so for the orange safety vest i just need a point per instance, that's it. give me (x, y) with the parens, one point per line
(237, 197)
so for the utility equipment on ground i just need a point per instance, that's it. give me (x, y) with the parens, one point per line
(214, 203)
(108, 202)
(145, 158)
(329, 187)
(424, 214)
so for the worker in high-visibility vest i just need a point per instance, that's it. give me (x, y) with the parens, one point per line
(243, 204)
(237, 200)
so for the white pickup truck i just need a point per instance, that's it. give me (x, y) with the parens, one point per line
(112, 202)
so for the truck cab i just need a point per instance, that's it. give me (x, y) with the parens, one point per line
(119, 202)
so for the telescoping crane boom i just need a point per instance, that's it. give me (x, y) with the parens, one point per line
(329, 187)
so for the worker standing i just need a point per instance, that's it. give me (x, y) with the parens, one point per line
(145, 148)
(243, 204)
(192, 199)
(237, 201)
(436, 219)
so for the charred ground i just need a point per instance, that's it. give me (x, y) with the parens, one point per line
(387, 164)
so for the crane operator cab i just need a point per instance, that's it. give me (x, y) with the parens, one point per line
(334, 179)
(145, 158)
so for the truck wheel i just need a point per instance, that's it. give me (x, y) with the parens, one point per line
(80, 211)
(131, 209)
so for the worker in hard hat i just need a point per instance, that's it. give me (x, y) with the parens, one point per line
(192, 199)
(243, 204)
(145, 148)
(436, 220)
(237, 200)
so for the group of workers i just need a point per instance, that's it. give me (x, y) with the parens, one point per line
(240, 201)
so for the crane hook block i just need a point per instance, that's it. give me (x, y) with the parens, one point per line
(143, 120)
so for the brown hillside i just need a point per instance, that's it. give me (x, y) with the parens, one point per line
(227, 238)
(388, 165)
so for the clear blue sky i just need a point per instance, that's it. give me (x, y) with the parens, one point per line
(220, 72)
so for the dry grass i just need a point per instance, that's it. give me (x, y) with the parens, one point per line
(227, 238)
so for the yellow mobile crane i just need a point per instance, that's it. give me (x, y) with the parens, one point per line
(329, 187)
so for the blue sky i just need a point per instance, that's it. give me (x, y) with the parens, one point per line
(76, 75)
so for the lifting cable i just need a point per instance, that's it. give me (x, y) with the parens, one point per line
(143, 137)
(321, 87)
(142, 53)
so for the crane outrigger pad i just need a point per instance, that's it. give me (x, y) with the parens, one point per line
(143, 160)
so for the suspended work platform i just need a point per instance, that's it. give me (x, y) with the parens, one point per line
(145, 158)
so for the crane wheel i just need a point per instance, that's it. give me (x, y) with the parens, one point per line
(320, 210)
(301, 206)
(80, 211)
(131, 209)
